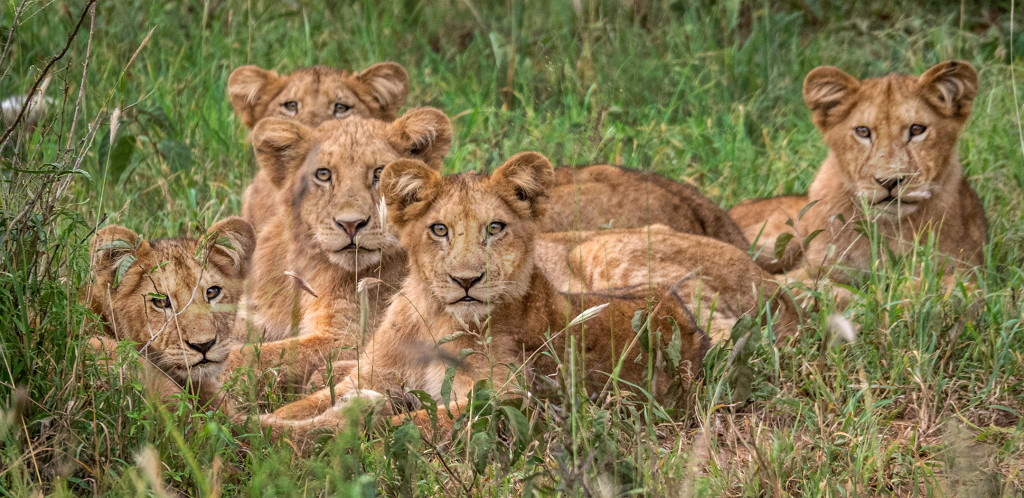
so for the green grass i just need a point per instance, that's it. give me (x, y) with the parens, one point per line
(927, 400)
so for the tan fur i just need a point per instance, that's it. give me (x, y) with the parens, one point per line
(310, 234)
(718, 282)
(378, 91)
(603, 196)
(516, 318)
(764, 220)
(911, 185)
(192, 339)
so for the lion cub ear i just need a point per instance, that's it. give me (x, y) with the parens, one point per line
(950, 87)
(281, 146)
(111, 248)
(424, 134)
(825, 90)
(524, 180)
(408, 186)
(249, 87)
(389, 86)
(229, 244)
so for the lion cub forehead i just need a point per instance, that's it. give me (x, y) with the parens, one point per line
(353, 139)
(469, 200)
(173, 265)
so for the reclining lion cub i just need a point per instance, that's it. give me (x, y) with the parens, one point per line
(603, 196)
(310, 96)
(177, 298)
(892, 149)
(470, 240)
(718, 282)
(328, 232)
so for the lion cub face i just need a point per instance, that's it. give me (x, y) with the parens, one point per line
(894, 137)
(317, 94)
(177, 298)
(328, 177)
(470, 238)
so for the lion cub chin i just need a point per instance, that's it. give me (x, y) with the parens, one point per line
(892, 163)
(473, 286)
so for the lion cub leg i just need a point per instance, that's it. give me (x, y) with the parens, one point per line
(295, 359)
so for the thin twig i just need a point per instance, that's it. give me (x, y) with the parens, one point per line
(46, 71)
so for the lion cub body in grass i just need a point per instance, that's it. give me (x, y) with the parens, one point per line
(718, 282)
(892, 162)
(327, 231)
(473, 285)
(176, 298)
(604, 196)
(310, 96)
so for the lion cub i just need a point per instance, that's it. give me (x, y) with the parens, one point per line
(177, 298)
(892, 162)
(718, 282)
(473, 285)
(328, 232)
(603, 196)
(310, 96)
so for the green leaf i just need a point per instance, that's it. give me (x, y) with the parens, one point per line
(446, 384)
(806, 208)
(780, 244)
(156, 295)
(451, 337)
(122, 268)
(480, 450)
(638, 320)
(812, 236)
(519, 423)
(675, 344)
(428, 405)
(116, 244)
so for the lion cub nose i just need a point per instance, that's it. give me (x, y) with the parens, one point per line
(890, 183)
(466, 282)
(202, 347)
(352, 226)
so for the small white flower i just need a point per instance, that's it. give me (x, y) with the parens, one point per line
(842, 328)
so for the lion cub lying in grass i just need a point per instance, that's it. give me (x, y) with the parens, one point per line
(718, 282)
(892, 162)
(310, 96)
(177, 298)
(473, 285)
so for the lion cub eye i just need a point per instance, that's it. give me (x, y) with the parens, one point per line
(439, 230)
(340, 109)
(495, 228)
(160, 301)
(291, 106)
(916, 129)
(376, 174)
(323, 174)
(862, 132)
(212, 293)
